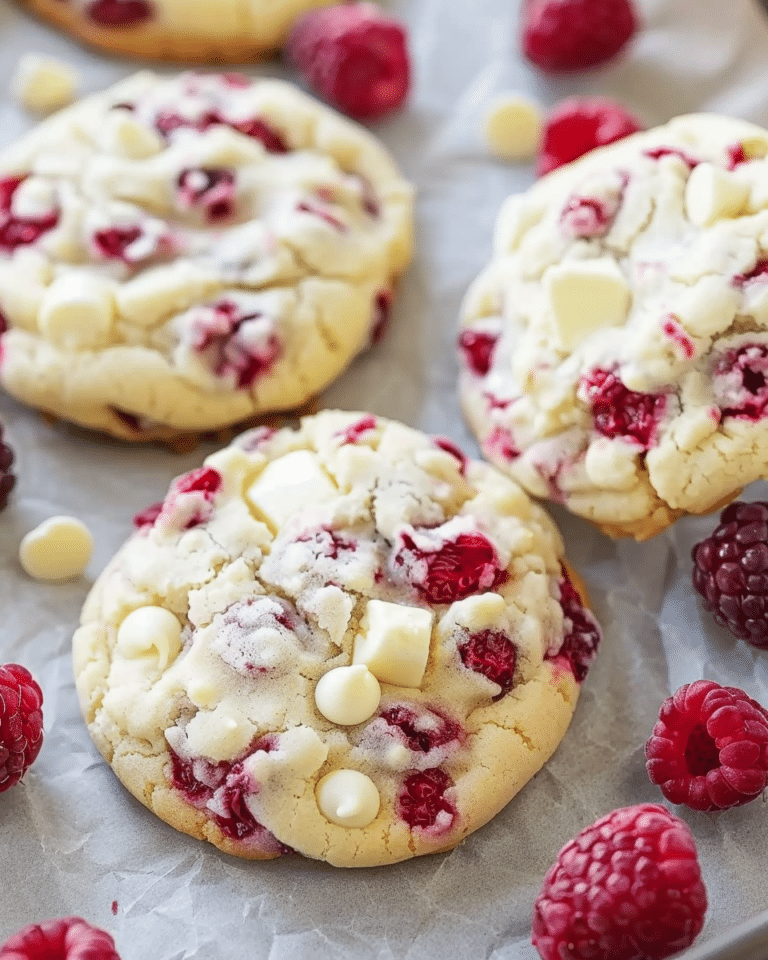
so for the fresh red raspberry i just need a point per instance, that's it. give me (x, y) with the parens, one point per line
(21, 723)
(709, 748)
(580, 124)
(7, 479)
(66, 938)
(354, 56)
(576, 34)
(628, 887)
(731, 572)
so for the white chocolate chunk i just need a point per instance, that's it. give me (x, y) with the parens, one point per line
(348, 798)
(713, 194)
(43, 84)
(152, 631)
(219, 734)
(77, 310)
(585, 296)
(123, 135)
(289, 484)
(58, 549)
(300, 754)
(394, 642)
(513, 125)
(348, 695)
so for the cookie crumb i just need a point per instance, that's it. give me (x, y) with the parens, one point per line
(513, 125)
(58, 549)
(43, 84)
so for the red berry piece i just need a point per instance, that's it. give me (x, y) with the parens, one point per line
(21, 723)
(167, 121)
(620, 412)
(580, 124)
(120, 13)
(500, 445)
(740, 382)
(382, 304)
(147, 517)
(656, 153)
(356, 430)
(66, 938)
(205, 480)
(422, 802)
(628, 887)
(239, 347)
(586, 217)
(493, 654)
(422, 731)
(709, 748)
(7, 478)
(353, 55)
(758, 274)
(208, 188)
(730, 571)
(582, 635)
(450, 447)
(20, 231)
(477, 348)
(576, 34)
(113, 243)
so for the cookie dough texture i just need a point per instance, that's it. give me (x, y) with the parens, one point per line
(187, 31)
(615, 350)
(202, 644)
(184, 253)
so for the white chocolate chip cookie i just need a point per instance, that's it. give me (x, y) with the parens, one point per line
(345, 640)
(181, 254)
(615, 351)
(188, 31)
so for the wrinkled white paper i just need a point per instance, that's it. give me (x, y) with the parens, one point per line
(73, 841)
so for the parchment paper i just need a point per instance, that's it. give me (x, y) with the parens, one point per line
(72, 840)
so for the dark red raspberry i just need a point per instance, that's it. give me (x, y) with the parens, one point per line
(477, 347)
(580, 124)
(581, 633)
(147, 517)
(120, 13)
(354, 431)
(628, 887)
(620, 412)
(223, 334)
(205, 480)
(576, 34)
(709, 748)
(353, 55)
(423, 731)
(757, 274)
(21, 723)
(7, 479)
(731, 572)
(493, 654)
(739, 379)
(422, 802)
(212, 189)
(113, 242)
(20, 231)
(66, 938)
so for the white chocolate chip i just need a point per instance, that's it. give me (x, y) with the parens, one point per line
(122, 135)
(348, 798)
(513, 125)
(348, 695)
(43, 84)
(584, 296)
(288, 484)
(58, 549)
(152, 631)
(713, 194)
(77, 310)
(394, 642)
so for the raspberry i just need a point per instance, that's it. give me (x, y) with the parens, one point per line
(120, 13)
(576, 34)
(210, 188)
(620, 412)
(166, 122)
(238, 347)
(628, 887)
(709, 748)
(354, 56)
(423, 732)
(113, 242)
(20, 231)
(740, 384)
(66, 938)
(205, 480)
(493, 654)
(147, 517)
(580, 124)
(582, 634)
(21, 723)
(356, 430)
(477, 347)
(422, 802)
(7, 479)
(731, 572)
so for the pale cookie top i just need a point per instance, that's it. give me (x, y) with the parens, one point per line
(615, 350)
(345, 639)
(178, 254)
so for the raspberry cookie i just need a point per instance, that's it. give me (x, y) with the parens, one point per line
(179, 254)
(345, 640)
(189, 31)
(615, 352)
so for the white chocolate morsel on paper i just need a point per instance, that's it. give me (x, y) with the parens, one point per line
(77, 310)
(150, 631)
(394, 642)
(288, 484)
(43, 84)
(58, 549)
(513, 127)
(585, 296)
(348, 798)
(348, 695)
(713, 194)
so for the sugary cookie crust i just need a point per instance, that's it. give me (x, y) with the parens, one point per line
(180, 254)
(613, 352)
(212, 32)
(291, 556)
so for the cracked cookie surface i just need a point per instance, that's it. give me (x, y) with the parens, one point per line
(344, 639)
(614, 352)
(185, 253)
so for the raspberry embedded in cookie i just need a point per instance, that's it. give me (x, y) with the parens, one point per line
(356, 430)
(211, 189)
(20, 231)
(422, 802)
(477, 348)
(166, 122)
(500, 444)
(620, 412)
(656, 153)
(117, 243)
(587, 217)
(120, 13)
(422, 731)
(237, 347)
(581, 637)
(494, 655)
(190, 501)
(740, 384)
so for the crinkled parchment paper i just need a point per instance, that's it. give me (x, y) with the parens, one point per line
(72, 840)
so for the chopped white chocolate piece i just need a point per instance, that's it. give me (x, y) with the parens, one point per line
(348, 798)
(122, 135)
(43, 84)
(713, 194)
(348, 695)
(219, 734)
(394, 642)
(77, 310)
(152, 631)
(289, 484)
(58, 549)
(299, 754)
(584, 296)
(513, 125)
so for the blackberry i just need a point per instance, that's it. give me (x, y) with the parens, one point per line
(7, 479)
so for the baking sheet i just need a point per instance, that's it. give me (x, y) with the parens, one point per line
(73, 841)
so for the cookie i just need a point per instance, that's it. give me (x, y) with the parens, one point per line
(185, 253)
(187, 31)
(344, 639)
(614, 352)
